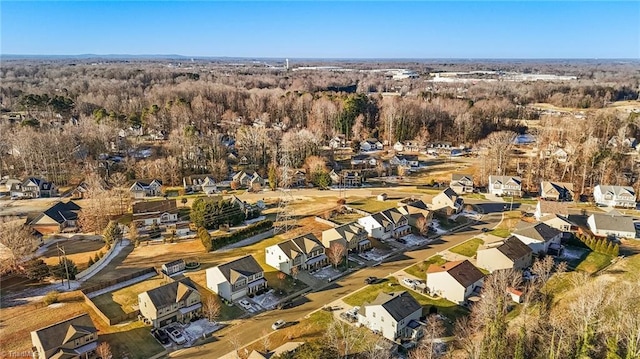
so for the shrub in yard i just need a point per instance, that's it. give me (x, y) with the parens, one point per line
(51, 297)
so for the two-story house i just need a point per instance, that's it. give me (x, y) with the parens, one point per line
(461, 183)
(394, 315)
(455, 281)
(386, 224)
(57, 218)
(363, 161)
(539, 237)
(449, 201)
(200, 183)
(505, 186)
(371, 144)
(248, 179)
(555, 214)
(234, 280)
(173, 302)
(73, 338)
(615, 196)
(350, 235)
(556, 191)
(611, 225)
(508, 254)
(305, 252)
(346, 178)
(416, 211)
(145, 188)
(408, 161)
(155, 212)
(34, 187)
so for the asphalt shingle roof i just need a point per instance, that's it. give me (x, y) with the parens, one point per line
(463, 272)
(398, 304)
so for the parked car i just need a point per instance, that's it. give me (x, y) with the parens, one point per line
(278, 324)
(371, 280)
(177, 337)
(409, 282)
(245, 304)
(161, 336)
(485, 230)
(285, 305)
(401, 240)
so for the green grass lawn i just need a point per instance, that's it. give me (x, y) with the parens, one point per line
(420, 269)
(501, 232)
(372, 205)
(594, 262)
(468, 248)
(474, 196)
(369, 293)
(120, 302)
(132, 340)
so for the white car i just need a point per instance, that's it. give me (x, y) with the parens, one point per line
(278, 324)
(177, 337)
(245, 304)
(409, 282)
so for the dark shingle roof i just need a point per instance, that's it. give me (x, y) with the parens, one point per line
(514, 249)
(167, 205)
(541, 232)
(398, 304)
(246, 266)
(58, 334)
(463, 272)
(171, 293)
(61, 212)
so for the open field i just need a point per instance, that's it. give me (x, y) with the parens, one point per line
(468, 248)
(372, 205)
(120, 302)
(593, 262)
(420, 269)
(77, 250)
(369, 293)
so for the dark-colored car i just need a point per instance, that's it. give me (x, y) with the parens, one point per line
(285, 305)
(485, 230)
(401, 240)
(371, 280)
(161, 335)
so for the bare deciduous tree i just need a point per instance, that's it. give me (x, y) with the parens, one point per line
(18, 241)
(336, 253)
(212, 308)
(104, 350)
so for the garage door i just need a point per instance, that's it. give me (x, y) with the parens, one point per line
(168, 321)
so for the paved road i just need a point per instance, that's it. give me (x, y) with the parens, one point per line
(253, 328)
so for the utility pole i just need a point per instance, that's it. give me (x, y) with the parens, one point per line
(66, 267)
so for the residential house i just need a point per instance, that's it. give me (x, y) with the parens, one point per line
(236, 279)
(539, 237)
(80, 192)
(615, 196)
(177, 301)
(305, 252)
(394, 315)
(461, 183)
(546, 208)
(6, 184)
(454, 281)
(409, 161)
(57, 218)
(505, 186)
(559, 222)
(180, 229)
(556, 191)
(352, 236)
(34, 187)
(145, 188)
(386, 224)
(200, 183)
(413, 146)
(607, 225)
(398, 147)
(363, 160)
(248, 179)
(448, 200)
(299, 178)
(371, 144)
(155, 212)
(508, 254)
(73, 338)
(174, 267)
(346, 178)
(250, 210)
(337, 142)
(418, 213)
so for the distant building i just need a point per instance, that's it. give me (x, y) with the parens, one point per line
(461, 183)
(146, 188)
(557, 191)
(615, 196)
(505, 186)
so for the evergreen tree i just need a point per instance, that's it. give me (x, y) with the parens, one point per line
(59, 271)
(616, 250)
(96, 257)
(609, 249)
(112, 233)
(205, 238)
(36, 269)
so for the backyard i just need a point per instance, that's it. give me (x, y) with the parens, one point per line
(120, 302)
(468, 248)
(372, 205)
(78, 249)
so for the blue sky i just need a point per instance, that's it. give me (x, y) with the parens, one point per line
(323, 29)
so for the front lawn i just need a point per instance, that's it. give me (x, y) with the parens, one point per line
(120, 302)
(475, 196)
(420, 269)
(468, 248)
(501, 232)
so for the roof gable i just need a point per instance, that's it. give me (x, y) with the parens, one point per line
(463, 272)
(245, 266)
(541, 232)
(398, 304)
(58, 334)
(171, 293)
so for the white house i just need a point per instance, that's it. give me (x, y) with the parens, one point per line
(507, 254)
(234, 280)
(615, 196)
(410, 161)
(394, 315)
(398, 146)
(204, 183)
(386, 224)
(448, 199)
(606, 225)
(155, 212)
(173, 302)
(546, 208)
(539, 237)
(461, 183)
(174, 267)
(337, 142)
(305, 252)
(146, 188)
(455, 281)
(363, 160)
(371, 144)
(505, 186)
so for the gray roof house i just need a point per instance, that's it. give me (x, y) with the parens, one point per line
(557, 191)
(510, 253)
(394, 315)
(606, 225)
(455, 281)
(461, 183)
(73, 338)
(505, 186)
(539, 237)
(305, 252)
(174, 302)
(615, 196)
(236, 279)
(351, 235)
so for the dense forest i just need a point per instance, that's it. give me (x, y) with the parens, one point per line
(62, 118)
